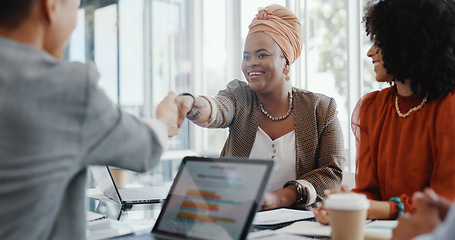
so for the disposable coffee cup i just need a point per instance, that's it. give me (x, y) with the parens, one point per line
(347, 214)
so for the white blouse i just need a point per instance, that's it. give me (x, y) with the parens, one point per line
(282, 150)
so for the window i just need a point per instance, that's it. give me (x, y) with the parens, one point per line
(324, 60)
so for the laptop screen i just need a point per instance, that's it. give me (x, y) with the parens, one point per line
(214, 198)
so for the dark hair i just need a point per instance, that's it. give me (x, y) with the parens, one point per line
(13, 12)
(417, 40)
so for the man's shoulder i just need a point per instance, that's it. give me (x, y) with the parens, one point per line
(21, 62)
(78, 71)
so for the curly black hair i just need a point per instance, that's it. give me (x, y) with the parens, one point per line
(417, 40)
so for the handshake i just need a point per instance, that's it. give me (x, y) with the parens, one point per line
(172, 111)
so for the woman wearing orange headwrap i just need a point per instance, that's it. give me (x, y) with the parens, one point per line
(268, 118)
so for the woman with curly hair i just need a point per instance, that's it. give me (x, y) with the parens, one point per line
(405, 133)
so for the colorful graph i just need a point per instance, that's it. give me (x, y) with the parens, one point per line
(203, 217)
(201, 193)
(194, 207)
(200, 205)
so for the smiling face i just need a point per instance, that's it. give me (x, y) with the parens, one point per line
(263, 63)
(381, 73)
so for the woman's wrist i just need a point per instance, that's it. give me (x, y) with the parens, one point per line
(301, 192)
(379, 210)
(286, 196)
(396, 207)
(198, 103)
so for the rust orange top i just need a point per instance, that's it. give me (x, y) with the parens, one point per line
(397, 156)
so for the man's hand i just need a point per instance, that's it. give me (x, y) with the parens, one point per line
(443, 204)
(425, 220)
(168, 112)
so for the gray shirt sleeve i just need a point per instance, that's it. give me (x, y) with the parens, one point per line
(113, 137)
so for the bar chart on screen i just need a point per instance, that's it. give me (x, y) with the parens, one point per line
(205, 206)
(212, 199)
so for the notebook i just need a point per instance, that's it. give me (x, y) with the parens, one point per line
(212, 198)
(126, 196)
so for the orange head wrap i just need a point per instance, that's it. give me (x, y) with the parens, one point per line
(282, 26)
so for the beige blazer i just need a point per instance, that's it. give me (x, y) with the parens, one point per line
(318, 137)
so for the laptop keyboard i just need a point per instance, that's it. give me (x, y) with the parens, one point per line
(137, 194)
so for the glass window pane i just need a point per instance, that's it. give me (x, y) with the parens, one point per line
(214, 65)
(327, 55)
(131, 43)
(171, 68)
(106, 49)
(214, 47)
(77, 41)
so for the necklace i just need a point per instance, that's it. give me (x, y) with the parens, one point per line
(414, 109)
(282, 117)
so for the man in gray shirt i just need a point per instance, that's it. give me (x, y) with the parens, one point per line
(55, 121)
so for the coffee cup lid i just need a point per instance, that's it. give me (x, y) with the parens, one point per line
(347, 201)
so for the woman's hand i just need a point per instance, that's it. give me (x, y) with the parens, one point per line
(284, 197)
(167, 112)
(184, 104)
(343, 189)
(320, 213)
(270, 201)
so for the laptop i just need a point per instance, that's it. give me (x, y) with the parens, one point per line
(126, 196)
(212, 198)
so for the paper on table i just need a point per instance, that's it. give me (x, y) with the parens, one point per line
(281, 215)
(381, 229)
(272, 235)
(307, 228)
